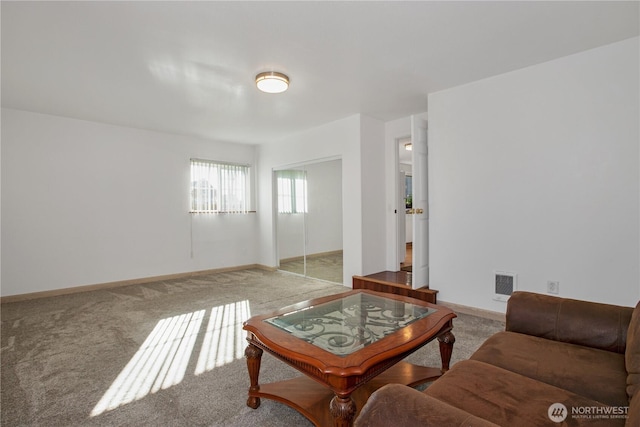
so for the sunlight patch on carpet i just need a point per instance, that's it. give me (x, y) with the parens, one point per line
(163, 358)
(224, 340)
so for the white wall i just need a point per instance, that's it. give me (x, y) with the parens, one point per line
(113, 201)
(537, 172)
(373, 213)
(86, 203)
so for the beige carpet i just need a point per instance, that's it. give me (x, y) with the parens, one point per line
(167, 353)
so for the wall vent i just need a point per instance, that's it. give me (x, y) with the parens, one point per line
(504, 285)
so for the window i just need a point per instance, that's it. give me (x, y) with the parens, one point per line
(219, 187)
(292, 191)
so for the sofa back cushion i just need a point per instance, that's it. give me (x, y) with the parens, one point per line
(591, 324)
(632, 354)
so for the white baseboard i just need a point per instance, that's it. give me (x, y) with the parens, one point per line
(485, 314)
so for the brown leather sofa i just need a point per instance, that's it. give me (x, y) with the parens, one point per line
(582, 355)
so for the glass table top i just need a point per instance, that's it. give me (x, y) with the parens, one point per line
(350, 323)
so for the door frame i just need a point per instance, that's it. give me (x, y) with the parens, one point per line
(399, 210)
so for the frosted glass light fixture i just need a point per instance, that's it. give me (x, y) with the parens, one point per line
(408, 146)
(272, 82)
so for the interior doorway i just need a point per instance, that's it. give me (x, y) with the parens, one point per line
(309, 219)
(412, 219)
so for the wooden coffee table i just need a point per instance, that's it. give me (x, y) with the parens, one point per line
(348, 345)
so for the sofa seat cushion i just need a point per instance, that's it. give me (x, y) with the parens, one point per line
(634, 411)
(510, 399)
(597, 374)
(401, 406)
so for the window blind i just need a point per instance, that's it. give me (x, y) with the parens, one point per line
(219, 187)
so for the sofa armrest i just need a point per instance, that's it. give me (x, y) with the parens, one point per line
(401, 406)
(590, 324)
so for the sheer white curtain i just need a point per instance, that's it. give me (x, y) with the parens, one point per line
(219, 187)
(292, 191)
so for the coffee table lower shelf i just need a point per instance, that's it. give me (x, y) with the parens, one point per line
(311, 399)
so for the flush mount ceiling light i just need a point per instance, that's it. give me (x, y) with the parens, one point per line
(272, 82)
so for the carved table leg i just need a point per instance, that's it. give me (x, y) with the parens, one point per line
(254, 356)
(343, 410)
(446, 341)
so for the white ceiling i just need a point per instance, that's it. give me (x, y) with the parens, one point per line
(189, 67)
